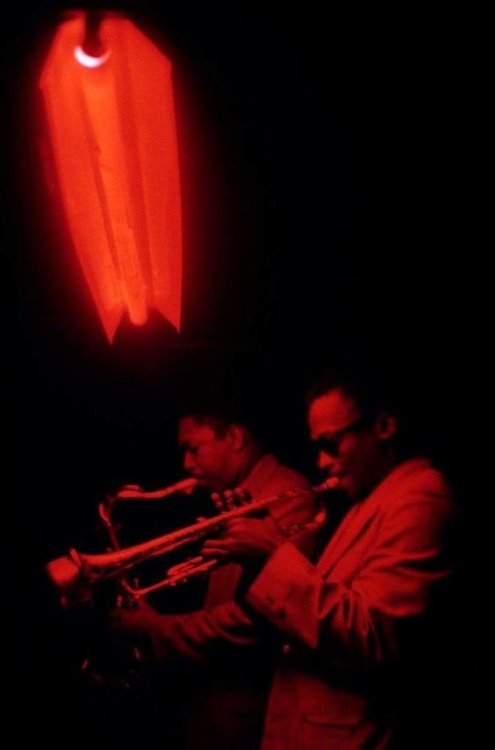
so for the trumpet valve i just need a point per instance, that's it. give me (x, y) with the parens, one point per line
(332, 483)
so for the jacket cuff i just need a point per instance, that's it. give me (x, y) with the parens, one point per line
(272, 588)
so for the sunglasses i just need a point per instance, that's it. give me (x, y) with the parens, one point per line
(331, 445)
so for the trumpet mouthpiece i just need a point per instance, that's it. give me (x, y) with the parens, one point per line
(332, 483)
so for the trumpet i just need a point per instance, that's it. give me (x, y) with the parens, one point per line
(75, 574)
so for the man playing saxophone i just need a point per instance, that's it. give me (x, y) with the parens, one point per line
(225, 708)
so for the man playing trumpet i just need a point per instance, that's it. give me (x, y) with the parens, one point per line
(364, 615)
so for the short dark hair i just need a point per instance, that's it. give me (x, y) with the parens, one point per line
(225, 387)
(376, 389)
(218, 422)
(222, 410)
(371, 388)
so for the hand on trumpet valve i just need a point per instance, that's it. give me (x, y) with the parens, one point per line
(245, 537)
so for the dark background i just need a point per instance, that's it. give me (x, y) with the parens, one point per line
(329, 165)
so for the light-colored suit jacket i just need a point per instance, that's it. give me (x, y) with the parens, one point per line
(349, 618)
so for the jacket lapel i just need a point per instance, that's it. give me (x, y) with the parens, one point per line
(361, 515)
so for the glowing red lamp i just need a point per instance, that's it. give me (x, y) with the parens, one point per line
(109, 105)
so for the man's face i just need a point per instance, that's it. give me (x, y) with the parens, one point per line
(207, 457)
(347, 448)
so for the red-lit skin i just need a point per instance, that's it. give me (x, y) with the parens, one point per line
(113, 141)
(362, 605)
(343, 615)
(219, 459)
(230, 709)
(363, 458)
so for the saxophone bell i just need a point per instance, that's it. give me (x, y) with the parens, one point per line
(66, 573)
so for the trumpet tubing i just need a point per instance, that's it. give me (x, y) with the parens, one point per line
(198, 565)
(73, 573)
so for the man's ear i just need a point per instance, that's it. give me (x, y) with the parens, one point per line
(236, 435)
(386, 425)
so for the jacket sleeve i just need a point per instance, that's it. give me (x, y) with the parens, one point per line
(199, 635)
(225, 625)
(362, 619)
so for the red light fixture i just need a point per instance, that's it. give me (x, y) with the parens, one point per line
(109, 106)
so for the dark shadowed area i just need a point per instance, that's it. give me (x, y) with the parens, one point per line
(329, 210)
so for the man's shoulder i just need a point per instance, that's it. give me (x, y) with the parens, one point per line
(286, 486)
(421, 473)
(415, 480)
(277, 477)
(292, 477)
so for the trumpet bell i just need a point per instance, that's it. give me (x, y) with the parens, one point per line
(76, 573)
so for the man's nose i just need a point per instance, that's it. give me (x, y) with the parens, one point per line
(188, 462)
(325, 461)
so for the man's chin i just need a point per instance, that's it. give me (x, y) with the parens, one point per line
(346, 487)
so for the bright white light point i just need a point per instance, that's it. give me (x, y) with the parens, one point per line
(89, 61)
